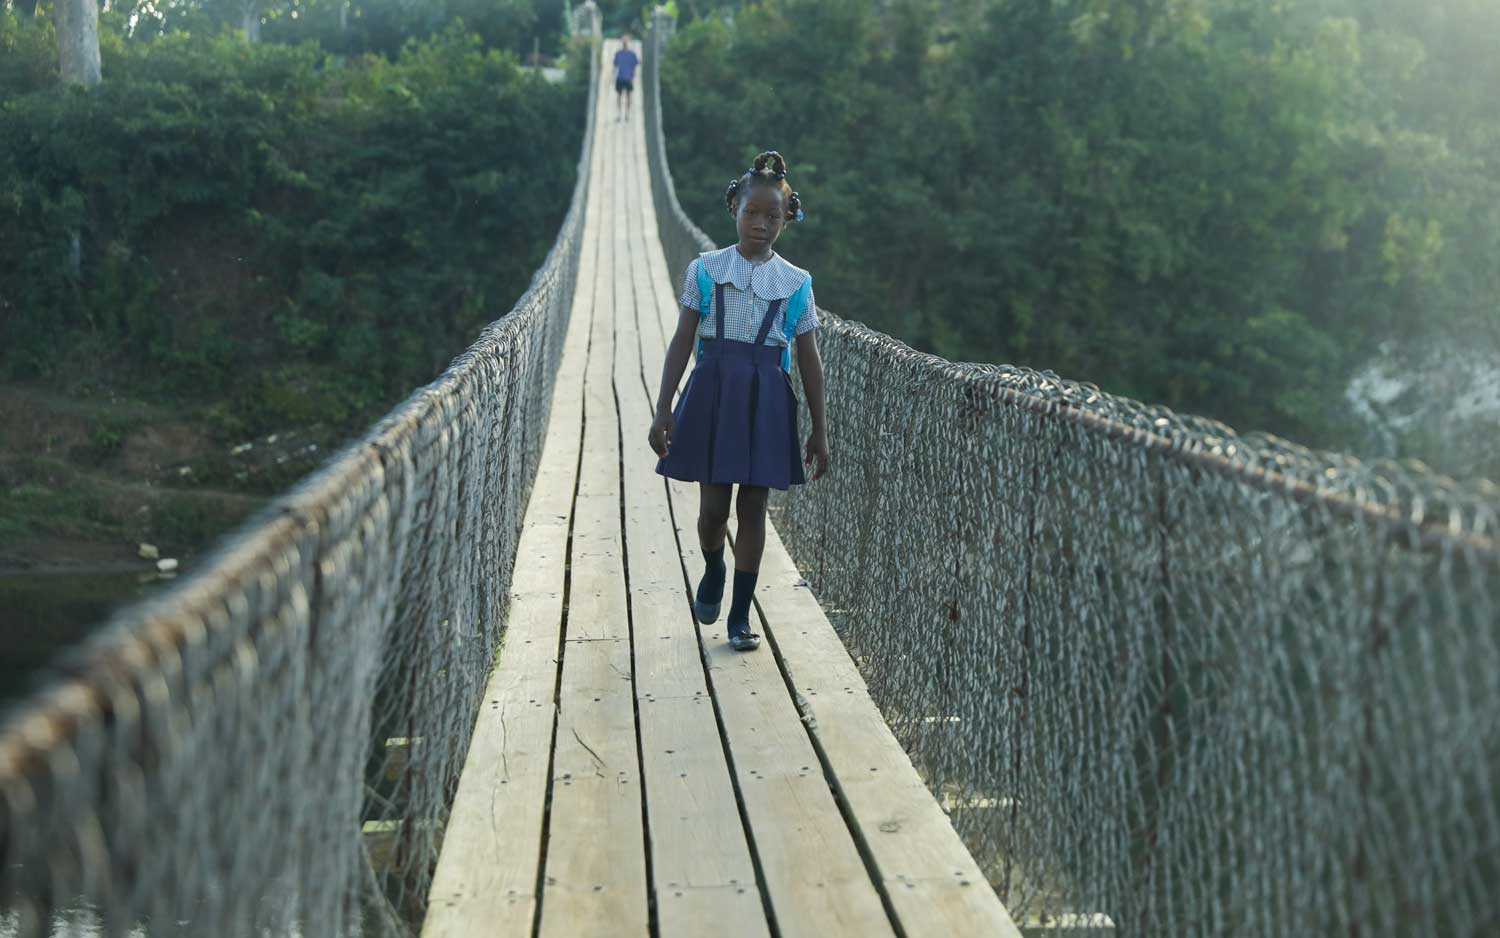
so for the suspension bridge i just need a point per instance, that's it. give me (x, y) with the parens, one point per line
(1041, 661)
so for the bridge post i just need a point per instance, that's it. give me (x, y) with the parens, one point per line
(587, 20)
(663, 23)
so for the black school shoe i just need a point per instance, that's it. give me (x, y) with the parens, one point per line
(706, 606)
(741, 638)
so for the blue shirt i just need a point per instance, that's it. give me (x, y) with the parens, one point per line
(625, 62)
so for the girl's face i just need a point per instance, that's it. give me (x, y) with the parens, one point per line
(760, 219)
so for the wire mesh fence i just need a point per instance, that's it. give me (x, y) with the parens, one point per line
(271, 748)
(1193, 682)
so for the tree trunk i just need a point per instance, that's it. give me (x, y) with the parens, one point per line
(25, 9)
(250, 11)
(78, 41)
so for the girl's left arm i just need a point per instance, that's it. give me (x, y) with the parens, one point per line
(810, 364)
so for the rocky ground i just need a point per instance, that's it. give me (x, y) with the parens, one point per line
(1438, 403)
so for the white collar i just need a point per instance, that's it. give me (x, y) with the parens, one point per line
(772, 279)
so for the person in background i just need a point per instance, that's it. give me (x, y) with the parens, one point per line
(625, 62)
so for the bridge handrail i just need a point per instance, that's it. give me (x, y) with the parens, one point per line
(214, 754)
(1196, 682)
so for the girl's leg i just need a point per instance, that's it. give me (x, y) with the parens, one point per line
(713, 515)
(713, 525)
(750, 540)
(749, 544)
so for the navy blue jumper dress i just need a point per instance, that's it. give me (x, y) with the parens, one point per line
(736, 421)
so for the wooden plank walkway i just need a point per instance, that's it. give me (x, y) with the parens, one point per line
(630, 774)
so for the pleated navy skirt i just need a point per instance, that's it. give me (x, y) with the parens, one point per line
(736, 423)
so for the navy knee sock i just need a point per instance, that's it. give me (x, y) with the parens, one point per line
(711, 587)
(744, 591)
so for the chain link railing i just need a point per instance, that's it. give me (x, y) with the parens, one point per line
(271, 748)
(1193, 682)
(681, 239)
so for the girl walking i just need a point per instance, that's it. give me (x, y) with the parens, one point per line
(736, 421)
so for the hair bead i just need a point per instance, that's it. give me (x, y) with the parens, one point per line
(769, 166)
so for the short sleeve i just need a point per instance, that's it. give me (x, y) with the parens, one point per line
(808, 321)
(691, 298)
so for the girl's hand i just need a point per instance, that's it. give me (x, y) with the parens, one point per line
(817, 453)
(660, 436)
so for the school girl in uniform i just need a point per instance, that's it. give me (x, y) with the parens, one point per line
(736, 421)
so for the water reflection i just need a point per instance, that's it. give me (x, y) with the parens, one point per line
(41, 614)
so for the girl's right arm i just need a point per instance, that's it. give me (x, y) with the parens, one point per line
(678, 352)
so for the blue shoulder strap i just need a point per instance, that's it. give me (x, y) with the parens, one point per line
(705, 295)
(795, 307)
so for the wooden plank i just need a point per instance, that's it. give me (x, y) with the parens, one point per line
(596, 607)
(595, 870)
(703, 877)
(486, 878)
(541, 558)
(664, 295)
(668, 661)
(696, 834)
(933, 883)
(668, 657)
(595, 875)
(733, 911)
(924, 906)
(818, 884)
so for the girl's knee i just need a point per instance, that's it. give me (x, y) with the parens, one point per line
(713, 515)
(713, 505)
(751, 504)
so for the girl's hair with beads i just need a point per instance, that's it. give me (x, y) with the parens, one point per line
(769, 169)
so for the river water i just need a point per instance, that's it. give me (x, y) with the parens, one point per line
(42, 614)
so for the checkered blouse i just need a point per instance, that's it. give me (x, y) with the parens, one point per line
(749, 289)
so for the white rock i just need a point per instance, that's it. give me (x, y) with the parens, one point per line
(166, 564)
(148, 552)
(272, 438)
(184, 471)
(1437, 400)
(242, 448)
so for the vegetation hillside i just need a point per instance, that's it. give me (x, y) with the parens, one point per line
(1231, 207)
(226, 259)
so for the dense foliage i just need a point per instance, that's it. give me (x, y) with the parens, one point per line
(382, 26)
(265, 227)
(1220, 205)
(342, 26)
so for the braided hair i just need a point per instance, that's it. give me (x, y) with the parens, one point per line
(769, 169)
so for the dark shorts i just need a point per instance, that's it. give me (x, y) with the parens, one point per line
(624, 84)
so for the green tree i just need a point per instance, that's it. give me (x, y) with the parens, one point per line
(1220, 205)
(269, 226)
